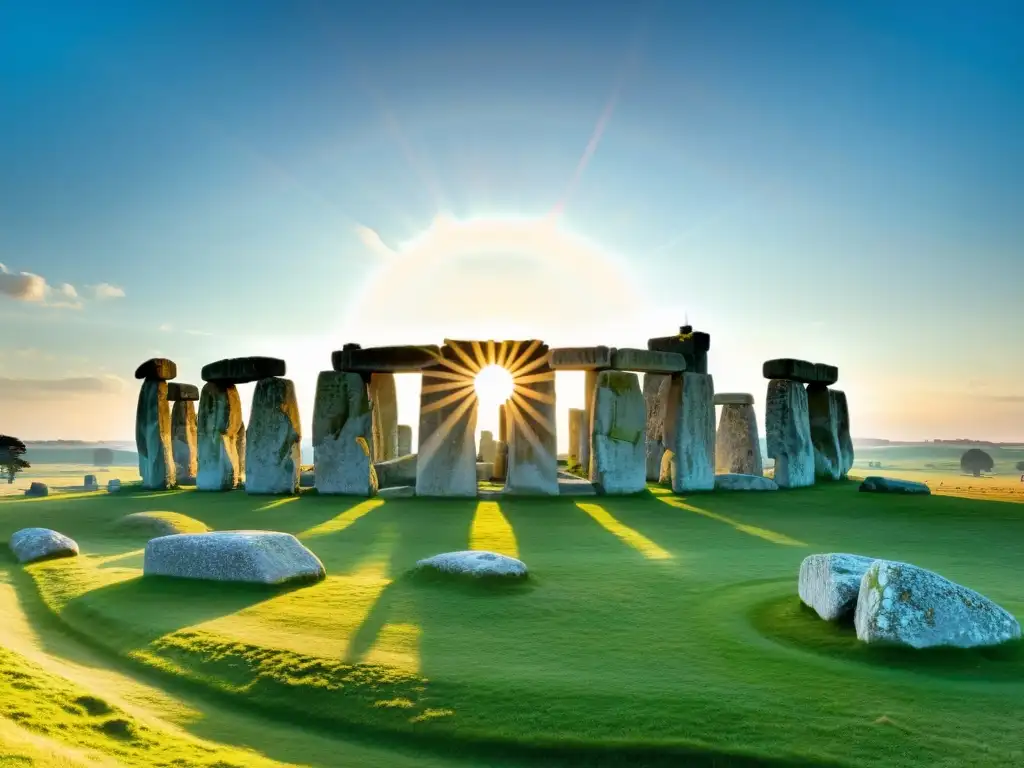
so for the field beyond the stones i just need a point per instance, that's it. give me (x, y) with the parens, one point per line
(654, 630)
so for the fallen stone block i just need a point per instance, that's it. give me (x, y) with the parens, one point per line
(876, 484)
(397, 492)
(739, 482)
(409, 358)
(178, 392)
(580, 358)
(476, 564)
(113, 486)
(256, 557)
(733, 398)
(243, 370)
(648, 361)
(906, 605)
(830, 583)
(788, 369)
(30, 545)
(157, 369)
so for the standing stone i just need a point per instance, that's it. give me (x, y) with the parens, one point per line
(343, 435)
(589, 390)
(690, 432)
(824, 433)
(788, 429)
(532, 449)
(183, 441)
(446, 463)
(737, 448)
(576, 416)
(486, 453)
(618, 461)
(500, 467)
(841, 411)
(272, 455)
(153, 436)
(385, 416)
(219, 421)
(656, 388)
(240, 450)
(404, 440)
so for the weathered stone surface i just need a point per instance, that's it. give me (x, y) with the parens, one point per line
(484, 470)
(475, 563)
(589, 392)
(154, 524)
(400, 471)
(177, 392)
(32, 544)
(575, 486)
(737, 446)
(788, 369)
(575, 432)
(648, 361)
(91, 484)
(830, 583)
(153, 436)
(240, 449)
(307, 479)
(841, 411)
(113, 486)
(38, 489)
(343, 435)
(500, 468)
(903, 604)
(397, 492)
(486, 452)
(690, 432)
(258, 557)
(184, 440)
(788, 427)
(532, 465)
(580, 358)
(618, 459)
(273, 458)
(739, 482)
(243, 370)
(656, 388)
(824, 433)
(446, 463)
(876, 484)
(404, 440)
(157, 369)
(734, 398)
(410, 358)
(692, 345)
(665, 470)
(218, 423)
(384, 419)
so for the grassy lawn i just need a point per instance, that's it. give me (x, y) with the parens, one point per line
(655, 630)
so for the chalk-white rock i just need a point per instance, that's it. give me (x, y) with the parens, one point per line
(903, 604)
(829, 583)
(475, 563)
(218, 423)
(656, 387)
(260, 557)
(690, 432)
(737, 446)
(788, 429)
(343, 435)
(153, 436)
(184, 437)
(739, 482)
(272, 455)
(618, 458)
(31, 544)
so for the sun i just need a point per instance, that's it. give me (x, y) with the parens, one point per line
(493, 385)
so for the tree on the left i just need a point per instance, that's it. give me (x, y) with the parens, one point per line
(11, 451)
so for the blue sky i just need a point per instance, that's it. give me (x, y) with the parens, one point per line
(837, 181)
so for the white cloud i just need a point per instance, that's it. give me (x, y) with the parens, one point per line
(103, 291)
(68, 290)
(373, 241)
(24, 286)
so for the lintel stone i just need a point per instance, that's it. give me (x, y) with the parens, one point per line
(580, 358)
(648, 361)
(177, 391)
(243, 370)
(157, 369)
(409, 358)
(733, 398)
(788, 369)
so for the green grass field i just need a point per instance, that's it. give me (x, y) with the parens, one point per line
(655, 630)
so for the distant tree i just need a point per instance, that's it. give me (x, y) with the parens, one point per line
(102, 457)
(976, 461)
(11, 451)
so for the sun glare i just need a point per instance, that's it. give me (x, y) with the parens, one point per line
(493, 385)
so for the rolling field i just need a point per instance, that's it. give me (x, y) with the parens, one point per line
(655, 630)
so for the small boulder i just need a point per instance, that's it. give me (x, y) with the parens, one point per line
(906, 605)
(113, 486)
(256, 557)
(475, 563)
(32, 544)
(891, 485)
(38, 489)
(739, 482)
(397, 492)
(829, 583)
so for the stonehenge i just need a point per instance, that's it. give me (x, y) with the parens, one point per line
(626, 434)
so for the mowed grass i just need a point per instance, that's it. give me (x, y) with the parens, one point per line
(655, 630)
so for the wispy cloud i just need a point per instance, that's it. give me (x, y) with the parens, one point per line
(1004, 398)
(373, 241)
(44, 389)
(104, 291)
(31, 288)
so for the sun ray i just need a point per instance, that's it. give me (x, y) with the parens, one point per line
(447, 375)
(527, 430)
(534, 378)
(533, 394)
(533, 365)
(454, 397)
(627, 535)
(492, 531)
(451, 365)
(478, 352)
(445, 427)
(521, 403)
(510, 353)
(447, 386)
(342, 521)
(516, 362)
(490, 352)
(468, 361)
(276, 503)
(750, 530)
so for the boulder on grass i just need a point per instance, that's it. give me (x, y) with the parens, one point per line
(113, 486)
(902, 604)
(38, 489)
(739, 482)
(90, 483)
(32, 544)
(475, 563)
(890, 485)
(256, 557)
(830, 583)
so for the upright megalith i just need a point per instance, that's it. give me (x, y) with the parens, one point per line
(384, 402)
(618, 458)
(737, 447)
(689, 458)
(153, 424)
(532, 464)
(788, 428)
(218, 423)
(589, 391)
(486, 452)
(404, 440)
(184, 431)
(343, 435)
(841, 411)
(656, 388)
(240, 449)
(272, 455)
(576, 432)
(828, 462)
